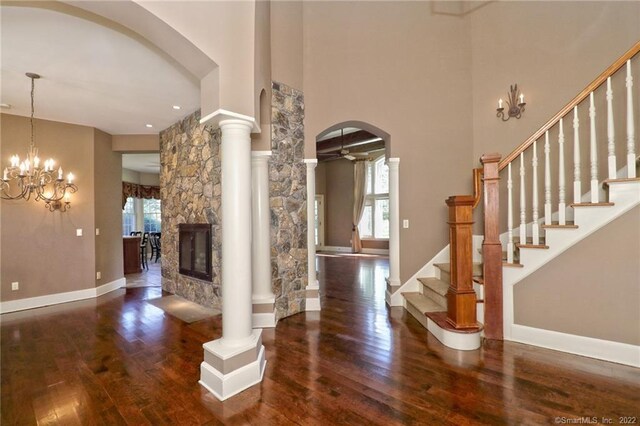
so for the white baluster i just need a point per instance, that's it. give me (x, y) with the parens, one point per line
(523, 200)
(594, 151)
(611, 146)
(509, 216)
(535, 227)
(631, 149)
(577, 189)
(547, 181)
(561, 190)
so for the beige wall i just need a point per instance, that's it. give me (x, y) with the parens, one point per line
(552, 50)
(108, 209)
(592, 289)
(406, 70)
(286, 43)
(40, 249)
(136, 143)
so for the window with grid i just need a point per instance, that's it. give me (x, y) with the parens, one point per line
(152, 218)
(128, 217)
(375, 218)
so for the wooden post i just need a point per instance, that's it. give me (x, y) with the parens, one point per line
(492, 249)
(461, 298)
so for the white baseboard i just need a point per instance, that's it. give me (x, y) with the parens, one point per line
(57, 298)
(375, 251)
(620, 353)
(334, 248)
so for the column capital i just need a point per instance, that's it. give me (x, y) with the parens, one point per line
(236, 123)
(310, 162)
(219, 116)
(393, 162)
(260, 156)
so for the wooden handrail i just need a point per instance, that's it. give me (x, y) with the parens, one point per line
(477, 186)
(575, 101)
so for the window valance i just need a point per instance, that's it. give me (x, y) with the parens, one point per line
(138, 191)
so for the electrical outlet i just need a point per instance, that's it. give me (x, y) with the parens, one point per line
(405, 223)
(98, 275)
(15, 285)
(97, 231)
(78, 232)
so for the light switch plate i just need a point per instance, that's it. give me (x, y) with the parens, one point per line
(97, 231)
(405, 223)
(98, 275)
(78, 232)
(15, 285)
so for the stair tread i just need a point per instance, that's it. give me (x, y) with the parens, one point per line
(529, 240)
(567, 225)
(446, 267)
(422, 303)
(513, 265)
(602, 204)
(479, 280)
(532, 246)
(607, 182)
(436, 285)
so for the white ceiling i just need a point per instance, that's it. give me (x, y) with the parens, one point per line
(91, 74)
(146, 163)
(335, 133)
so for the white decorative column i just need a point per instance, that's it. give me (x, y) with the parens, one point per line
(236, 361)
(312, 297)
(264, 301)
(394, 222)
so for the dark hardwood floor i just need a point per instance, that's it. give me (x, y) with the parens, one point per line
(120, 360)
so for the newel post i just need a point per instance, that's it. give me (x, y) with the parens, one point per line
(492, 249)
(461, 298)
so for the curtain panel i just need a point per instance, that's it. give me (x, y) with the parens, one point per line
(138, 191)
(359, 198)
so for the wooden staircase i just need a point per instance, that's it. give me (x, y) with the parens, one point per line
(465, 297)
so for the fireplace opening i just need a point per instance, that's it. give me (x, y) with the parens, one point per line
(195, 250)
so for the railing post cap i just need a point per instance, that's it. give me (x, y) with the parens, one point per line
(490, 158)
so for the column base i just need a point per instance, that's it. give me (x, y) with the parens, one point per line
(312, 298)
(264, 313)
(228, 370)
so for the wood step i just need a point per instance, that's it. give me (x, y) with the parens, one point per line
(529, 240)
(513, 265)
(422, 303)
(479, 280)
(603, 204)
(608, 182)
(532, 246)
(435, 290)
(446, 267)
(440, 318)
(556, 225)
(436, 285)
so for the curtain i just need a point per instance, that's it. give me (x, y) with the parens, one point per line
(138, 191)
(359, 196)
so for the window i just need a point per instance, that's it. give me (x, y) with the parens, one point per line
(141, 215)
(375, 218)
(128, 217)
(152, 218)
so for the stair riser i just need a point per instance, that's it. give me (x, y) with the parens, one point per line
(415, 313)
(479, 289)
(440, 300)
(444, 275)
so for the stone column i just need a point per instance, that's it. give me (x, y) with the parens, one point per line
(236, 361)
(264, 301)
(394, 224)
(312, 297)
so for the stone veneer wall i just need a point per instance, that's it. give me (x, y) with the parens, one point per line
(190, 191)
(288, 193)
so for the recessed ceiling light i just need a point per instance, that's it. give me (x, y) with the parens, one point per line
(176, 107)
(7, 106)
(149, 125)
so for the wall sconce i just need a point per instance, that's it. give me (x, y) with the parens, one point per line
(515, 104)
(59, 205)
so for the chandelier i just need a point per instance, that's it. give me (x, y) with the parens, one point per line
(24, 179)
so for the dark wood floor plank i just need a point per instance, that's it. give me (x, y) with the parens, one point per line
(119, 360)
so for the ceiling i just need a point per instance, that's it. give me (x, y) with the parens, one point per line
(145, 163)
(92, 74)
